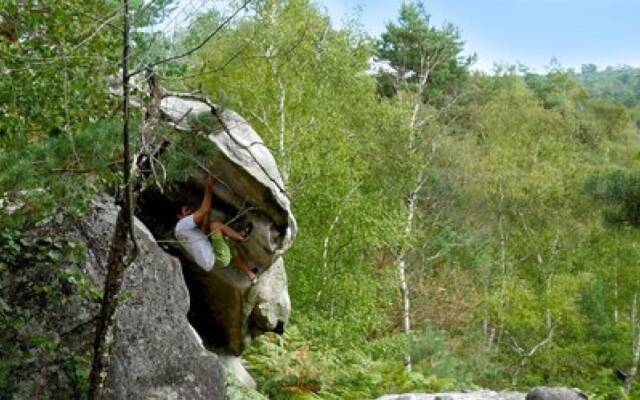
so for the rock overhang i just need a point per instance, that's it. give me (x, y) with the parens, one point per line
(248, 173)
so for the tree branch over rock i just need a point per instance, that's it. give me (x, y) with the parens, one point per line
(121, 255)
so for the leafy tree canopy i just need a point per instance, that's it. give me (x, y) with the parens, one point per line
(416, 48)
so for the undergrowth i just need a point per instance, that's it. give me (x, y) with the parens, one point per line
(293, 366)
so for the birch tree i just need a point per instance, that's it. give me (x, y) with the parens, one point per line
(635, 347)
(419, 53)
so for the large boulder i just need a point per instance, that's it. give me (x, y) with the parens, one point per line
(249, 193)
(52, 275)
(471, 395)
(547, 393)
(540, 393)
(246, 168)
(228, 312)
(156, 352)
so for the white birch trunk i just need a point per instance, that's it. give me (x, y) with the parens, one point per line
(282, 96)
(406, 309)
(327, 239)
(408, 227)
(628, 381)
(412, 202)
(526, 355)
(615, 297)
(411, 210)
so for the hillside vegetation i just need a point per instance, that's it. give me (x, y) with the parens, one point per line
(496, 213)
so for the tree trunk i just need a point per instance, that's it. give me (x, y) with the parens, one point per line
(118, 251)
(112, 285)
(615, 297)
(327, 239)
(282, 96)
(635, 349)
(412, 202)
(406, 309)
(526, 355)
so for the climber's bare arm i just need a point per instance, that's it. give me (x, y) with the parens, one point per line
(202, 214)
(219, 227)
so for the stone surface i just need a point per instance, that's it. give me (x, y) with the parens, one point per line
(249, 172)
(235, 366)
(547, 393)
(157, 354)
(53, 292)
(512, 395)
(227, 311)
(236, 390)
(269, 305)
(541, 393)
(471, 395)
(10, 202)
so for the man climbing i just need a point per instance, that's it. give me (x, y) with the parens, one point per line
(192, 229)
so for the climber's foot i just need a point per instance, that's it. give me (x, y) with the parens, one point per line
(253, 278)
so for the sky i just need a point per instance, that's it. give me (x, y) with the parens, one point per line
(530, 32)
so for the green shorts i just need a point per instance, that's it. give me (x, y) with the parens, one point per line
(221, 249)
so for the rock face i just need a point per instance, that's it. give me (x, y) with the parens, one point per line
(235, 367)
(228, 312)
(225, 310)
(52, 284)
(247, 168)
(156, 353)
(546, 393)
(541, 393)
(472, 395)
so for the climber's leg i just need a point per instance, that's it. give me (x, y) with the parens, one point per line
(216, 227)
(240, 263)
(231, 233)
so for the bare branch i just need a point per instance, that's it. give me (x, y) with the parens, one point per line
(200, 45)
(325, 242)
(526, 355)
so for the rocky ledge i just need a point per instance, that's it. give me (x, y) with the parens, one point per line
(539, 393)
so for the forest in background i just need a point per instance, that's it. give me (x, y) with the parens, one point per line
(496, 213)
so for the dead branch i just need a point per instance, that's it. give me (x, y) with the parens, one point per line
(526, 355)
(200, 45)
(117, 261)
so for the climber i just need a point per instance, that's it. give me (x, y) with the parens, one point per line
(192, 229)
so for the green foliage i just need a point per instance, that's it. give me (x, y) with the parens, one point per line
(43, 273)
(413, 44)
(506, 231)
(43, 175)
(187, 157)
(56, 73)
(620, 193)
(293, 367)
(616, 84)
